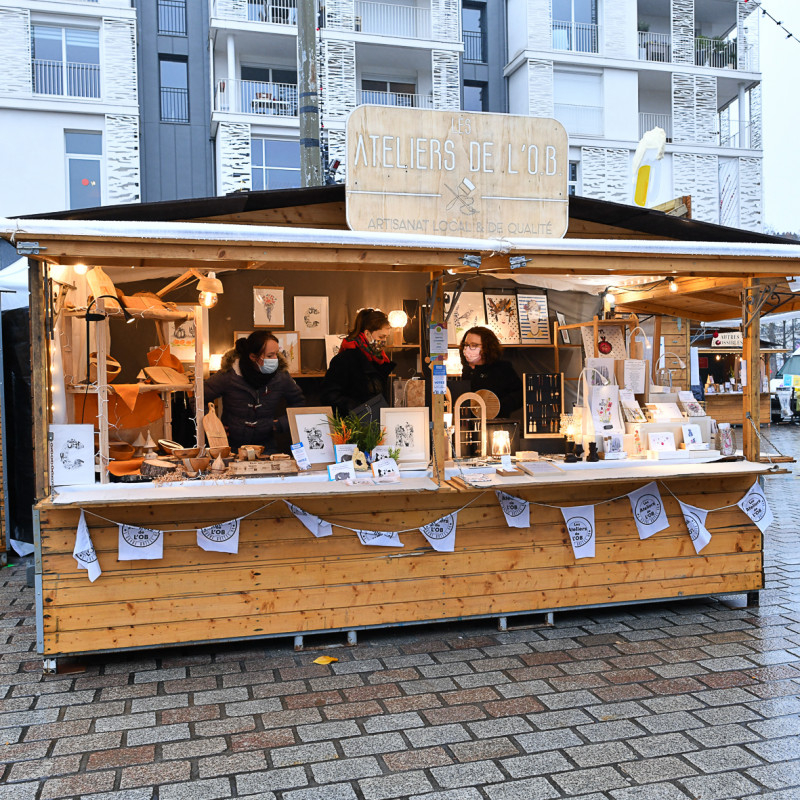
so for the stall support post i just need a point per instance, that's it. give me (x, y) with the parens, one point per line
(656, 351)
(437, 400)
(101, 336)
(751, 352)
(199, 339)
(40, 372)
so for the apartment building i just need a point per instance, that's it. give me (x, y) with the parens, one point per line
(612, 69)
(69, 105)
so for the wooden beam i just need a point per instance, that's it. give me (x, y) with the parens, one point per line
(40, 383)
(437, 400)
(685, 286)
(719, 299)
(671, 311)
(751, 352)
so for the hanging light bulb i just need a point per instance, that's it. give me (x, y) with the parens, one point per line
(80, 269)
(210, 286)
(208, 299)
(673, 287)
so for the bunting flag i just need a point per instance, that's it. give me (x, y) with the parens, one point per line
(83, 552)
(516, 510)
(755, 505)
(441, 533)
(696, 524)
(316, 525)
(380, 538)
(648, 510)
(222, 538)
(137, 543)
(580, 526)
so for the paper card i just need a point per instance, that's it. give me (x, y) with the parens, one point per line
(631, 410)
(695, 519)
(137, 543)
(662, 441)
(506, 463)
(517, 511)
(438, 339)
(604, 366)
(690, 404)
(441, 533)
(222, 538)
(314, 524)
(634, 373)
(664, 412)
(83, 551)
(613, 444)
(300, 456)
(344, 471)
(605, 409)
(648, 510)
(380, 538)
(439, 379)
(755, 505)
(386, 466)
(379, 452)
(692, 436)
(344, 452)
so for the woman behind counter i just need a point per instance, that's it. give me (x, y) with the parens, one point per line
(253, 383)
(483, 366)
(361, 368)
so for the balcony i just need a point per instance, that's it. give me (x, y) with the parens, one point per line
(276, 12)
(580, 120)
(580, 37)
(171, 18)
(735, 137)
(648, 121)
(474, 48)
(713, 52)
(655, 47)
(388, 19)
(256, 97)
(65, 78)
(370, 97)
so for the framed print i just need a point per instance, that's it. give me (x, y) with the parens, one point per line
(182, 335)
(407, 429)
(289, 344)
(501, 315)
(72, 455)
(534, 320)
(610, 341)
(268, 307)
(333, 341)
(311, 427)
(562, 320)
(311, 317)
(469, 313)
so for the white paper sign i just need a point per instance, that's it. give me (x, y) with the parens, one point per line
(634, 375)
(755, 505)
(84, 553)
(439, 379)
(441, 534)
(222, 538)
(580, 527)
(696, 524)
(438, 339)
(314, 524)
(300, 456)
(380, 538)
(517, 511)
(71, 455)
(648, 510)
(137, 543)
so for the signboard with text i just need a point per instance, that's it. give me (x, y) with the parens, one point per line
(456, 173)
(728, 339)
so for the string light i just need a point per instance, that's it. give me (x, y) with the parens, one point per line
(778, 22)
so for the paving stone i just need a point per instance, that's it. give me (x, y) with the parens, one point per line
(125, 721)
(393, 722)
(721, 786)
(772, 750)
(487, 748)
(463, 775)
(595, 755)
(339, 791)
(437, 734)
(504, 726)
(69, 786)
(272, 780)
(197, 790)
(193, 748)
(155, 774)
(391, 787)
(540, 764)
(530, 789)
(87, 744)
(559, 719)
(213, 766)
(372, 745)
(666, 723)
(450, 794)
(164, 733)
(724, 715)
(350, 769)
(606, 731)
(417, 759)
(327, 730)
(722, 759)
(654, 770)
(303, 754)
(653, 791)
(587, 780)
(777, 776)
(720, 735)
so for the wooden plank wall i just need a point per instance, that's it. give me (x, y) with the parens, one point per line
(284, 581)
(675, 333)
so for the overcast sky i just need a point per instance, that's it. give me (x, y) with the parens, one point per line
(780, 64)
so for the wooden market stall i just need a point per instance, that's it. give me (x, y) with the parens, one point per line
(283, 581)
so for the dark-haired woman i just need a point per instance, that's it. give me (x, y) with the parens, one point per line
(484, 367)
(255, 386)
(361, 368)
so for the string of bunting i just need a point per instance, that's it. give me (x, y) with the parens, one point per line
(137, 542)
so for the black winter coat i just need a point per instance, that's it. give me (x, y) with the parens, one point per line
(248, 412)
(500, 378)
(352, 379)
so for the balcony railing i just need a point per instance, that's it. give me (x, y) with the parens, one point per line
(174, 104)
(581, 37)
(580, 120)
(278, 12)
(648, 121)
(734, 138)
(715, 52)
(388, 19)
(395, 99)
(256, 97)
(473, 47)
(65, 78)
(655, 47)
(172, 17)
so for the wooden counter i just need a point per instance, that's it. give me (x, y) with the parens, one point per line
(728, 407)
(284, 581)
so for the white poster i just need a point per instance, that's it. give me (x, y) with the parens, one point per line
(222, 538)
(137, 543)
(580, 527)
(380, 538)
(71, 455)
(634, 375)
(314, 524)
(441, 534)
(83, 552)
(755, 505)
(696, 524)
(516, 510)
(648, 510)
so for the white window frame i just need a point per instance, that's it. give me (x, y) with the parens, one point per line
(263, 167)
(63, 26)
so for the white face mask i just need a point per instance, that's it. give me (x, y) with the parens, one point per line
(268, 366)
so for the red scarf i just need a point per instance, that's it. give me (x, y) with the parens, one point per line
(361, 343)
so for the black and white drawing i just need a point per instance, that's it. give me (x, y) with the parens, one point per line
(315, 439)
(72, 455)
(343, 471)
(502, 316)
(404, 436)
(534, 321)
(310, 426)
(407, 429)
(311, 317)
(468, 313)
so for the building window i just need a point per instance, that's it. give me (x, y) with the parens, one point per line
(475, 98)
(575, 25)
(172, 17)
(275, 164)
(473, 26)
(173, 72)
(84, 152)
(65, 61)
(392, 93)
(572, 182)
(268, 90)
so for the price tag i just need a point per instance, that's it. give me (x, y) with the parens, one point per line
(438, 339)
(505, 463)
(300, 456)
(439, 379)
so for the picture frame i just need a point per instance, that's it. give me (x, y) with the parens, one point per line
(534, 318)
(240, 335)
(562, 320)
(408, 430)
(311, 316)
(470, 312)
(502, 316)
(289, 344)
(333, 341)
(268, 311)
(182, 335)
(311, 427)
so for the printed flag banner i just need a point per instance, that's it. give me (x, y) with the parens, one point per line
(380, 538)
(316, 525)
(222, 538)
(84, 553)
(580, 526)
(517, 511)
(441, 534)
(696, 524)
(137, 543)
(755, 505)
(648, 510)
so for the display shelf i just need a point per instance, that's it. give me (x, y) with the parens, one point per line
(143, 387)
(153, 314)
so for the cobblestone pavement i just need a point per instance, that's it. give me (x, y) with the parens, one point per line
(693, 699)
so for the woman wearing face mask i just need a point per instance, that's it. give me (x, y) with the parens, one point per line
(361, 368)
(255, 387)
(481, 359)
